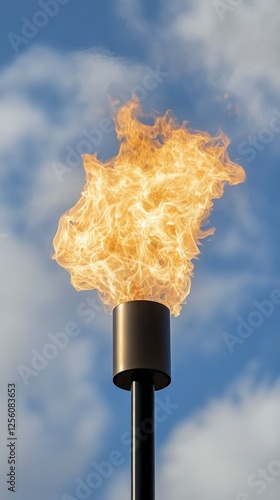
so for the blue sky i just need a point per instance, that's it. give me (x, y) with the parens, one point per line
(215, 64)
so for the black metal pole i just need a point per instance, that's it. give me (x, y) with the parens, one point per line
(141, 364)
(143, 439)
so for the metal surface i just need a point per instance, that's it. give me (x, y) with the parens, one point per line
(141, 363)
(142, 438)
(141, 341)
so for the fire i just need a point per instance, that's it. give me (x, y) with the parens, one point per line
(137, 226)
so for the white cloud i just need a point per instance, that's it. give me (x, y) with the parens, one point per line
(130, 10)
(102, 75)
(213, 453)
(61, 419)
(221, 291)
(236, 44)
(213, 304)
(27, 291)
(120, 487)
(228, 449)
(231, 49)
(37, 66)
(18, 120)
(81, 83)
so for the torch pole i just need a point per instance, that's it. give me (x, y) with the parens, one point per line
(142, 439)
(141, 364)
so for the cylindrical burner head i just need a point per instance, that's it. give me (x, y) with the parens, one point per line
(141, 343)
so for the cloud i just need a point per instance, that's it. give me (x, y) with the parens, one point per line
(61, 415)
(102, 75)
(120, 487)
(130, 11)
(53, 107)
(61, 420)
(231, 49)
(227, 449)
(39, 65)
(221, 38)
(235, 266)
(214, 453)
(18, 120)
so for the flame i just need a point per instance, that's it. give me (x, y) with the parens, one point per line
(137, 226)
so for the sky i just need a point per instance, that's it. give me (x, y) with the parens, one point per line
(215, 64)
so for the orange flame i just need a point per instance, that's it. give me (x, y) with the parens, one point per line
(135, 230)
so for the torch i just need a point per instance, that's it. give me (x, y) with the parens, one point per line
(141, 363)
(132, 236)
